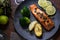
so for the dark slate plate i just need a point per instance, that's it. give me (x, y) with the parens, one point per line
(21, 31)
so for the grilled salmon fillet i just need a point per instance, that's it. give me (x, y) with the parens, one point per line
(41, 16)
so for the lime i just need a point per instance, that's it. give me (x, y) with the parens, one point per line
(50, 10)
(3, 19)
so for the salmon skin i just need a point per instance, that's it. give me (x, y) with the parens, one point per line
(41, 16)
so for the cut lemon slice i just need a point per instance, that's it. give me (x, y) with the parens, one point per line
(44, 3)
(41, 3)
(38, 30)
(31, 25)
(47, 4)
(50, 10)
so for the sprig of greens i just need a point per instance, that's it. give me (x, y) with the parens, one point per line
(6, 7)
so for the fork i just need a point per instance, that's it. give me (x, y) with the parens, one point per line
(18, 1)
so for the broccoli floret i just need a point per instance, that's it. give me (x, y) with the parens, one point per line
(24, 21)
(25, 12)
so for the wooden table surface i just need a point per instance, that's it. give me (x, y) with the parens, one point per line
(11, 26)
